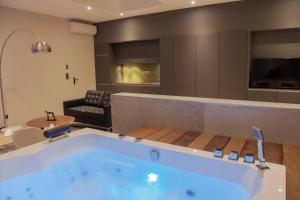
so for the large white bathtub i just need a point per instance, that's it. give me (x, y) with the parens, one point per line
(177, 167)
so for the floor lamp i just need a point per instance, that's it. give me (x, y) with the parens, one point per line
(39, 46)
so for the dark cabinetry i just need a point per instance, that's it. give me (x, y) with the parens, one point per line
(207, 65)
(137, 52)
(166, 65)
(274, 95)
(184, 65)
(262, 95)
(233, 64)
(146, 89)
(288, 96)
(103, 63)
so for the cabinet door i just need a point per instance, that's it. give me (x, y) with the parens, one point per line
(262, 95)
(184, 60)
(233, 59)
(166, 49)
(104, 87)
(138, 49)
(123, 52)
(133, 88)
(184, 91)
(117, 88)
(103, 63)
(238, 94)
(288, 96)
(150, 90)
(207, 65)
(152, 49)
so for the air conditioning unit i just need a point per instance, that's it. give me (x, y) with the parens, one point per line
(80, 28)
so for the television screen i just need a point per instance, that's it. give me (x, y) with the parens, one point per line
(275, 73)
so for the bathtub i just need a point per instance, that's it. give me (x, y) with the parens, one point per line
(92, 164)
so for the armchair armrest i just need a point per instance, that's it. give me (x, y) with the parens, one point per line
(73, 103)
(107, 115)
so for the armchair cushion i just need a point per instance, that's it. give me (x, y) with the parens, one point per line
(93, 97)
(89, 109)
(73, 103)
(105, 101)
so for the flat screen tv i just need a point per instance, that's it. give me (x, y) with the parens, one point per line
(276, 73)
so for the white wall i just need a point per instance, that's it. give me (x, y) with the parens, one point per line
(35, 83)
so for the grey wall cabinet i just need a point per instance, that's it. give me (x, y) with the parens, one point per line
(207, 65)
(117, 88)
(137, 52)
(184, 91)
(135, 88)
(137, 49)
(185, 63)
(150, 90)
(166, 65)
(104, 87)
(262, 95)
(123, 51)
(103, 63)
(132, 89)
(152, 49)
(233, 63)
(239, 94)
(273, 95)
(288, 96)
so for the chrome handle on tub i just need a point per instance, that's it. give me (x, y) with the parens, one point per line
(121, 136)
(219, 153)
(233, 155)
(260, 147)
(138, 139)
(249, 158)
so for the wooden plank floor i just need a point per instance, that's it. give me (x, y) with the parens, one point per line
(287, 155)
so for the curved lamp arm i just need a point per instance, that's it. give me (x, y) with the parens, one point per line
(4, 124)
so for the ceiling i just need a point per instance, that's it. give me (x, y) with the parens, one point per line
(103, 10)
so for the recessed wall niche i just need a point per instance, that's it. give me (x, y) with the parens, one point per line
(275, 59)
(143, 73)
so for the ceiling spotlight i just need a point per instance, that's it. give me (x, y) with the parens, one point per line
(193, 2)
(89, 8)
(121, 14)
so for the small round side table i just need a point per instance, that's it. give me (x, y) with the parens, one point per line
(42, 122)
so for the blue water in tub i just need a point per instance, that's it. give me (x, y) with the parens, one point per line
(97, 174)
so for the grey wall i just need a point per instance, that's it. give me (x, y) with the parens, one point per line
(223, 32)
(243, 15)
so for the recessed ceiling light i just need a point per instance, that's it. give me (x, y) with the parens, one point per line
(193, 2)
(121, 14)
(89, 8)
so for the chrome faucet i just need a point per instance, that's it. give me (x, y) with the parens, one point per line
(260, 142)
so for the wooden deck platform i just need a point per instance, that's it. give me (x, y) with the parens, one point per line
(287, 155)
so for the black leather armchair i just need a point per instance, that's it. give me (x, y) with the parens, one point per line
(94, 109)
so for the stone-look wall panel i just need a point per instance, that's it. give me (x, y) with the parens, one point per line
(279, 125)
(280, 122)
(130, 113)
